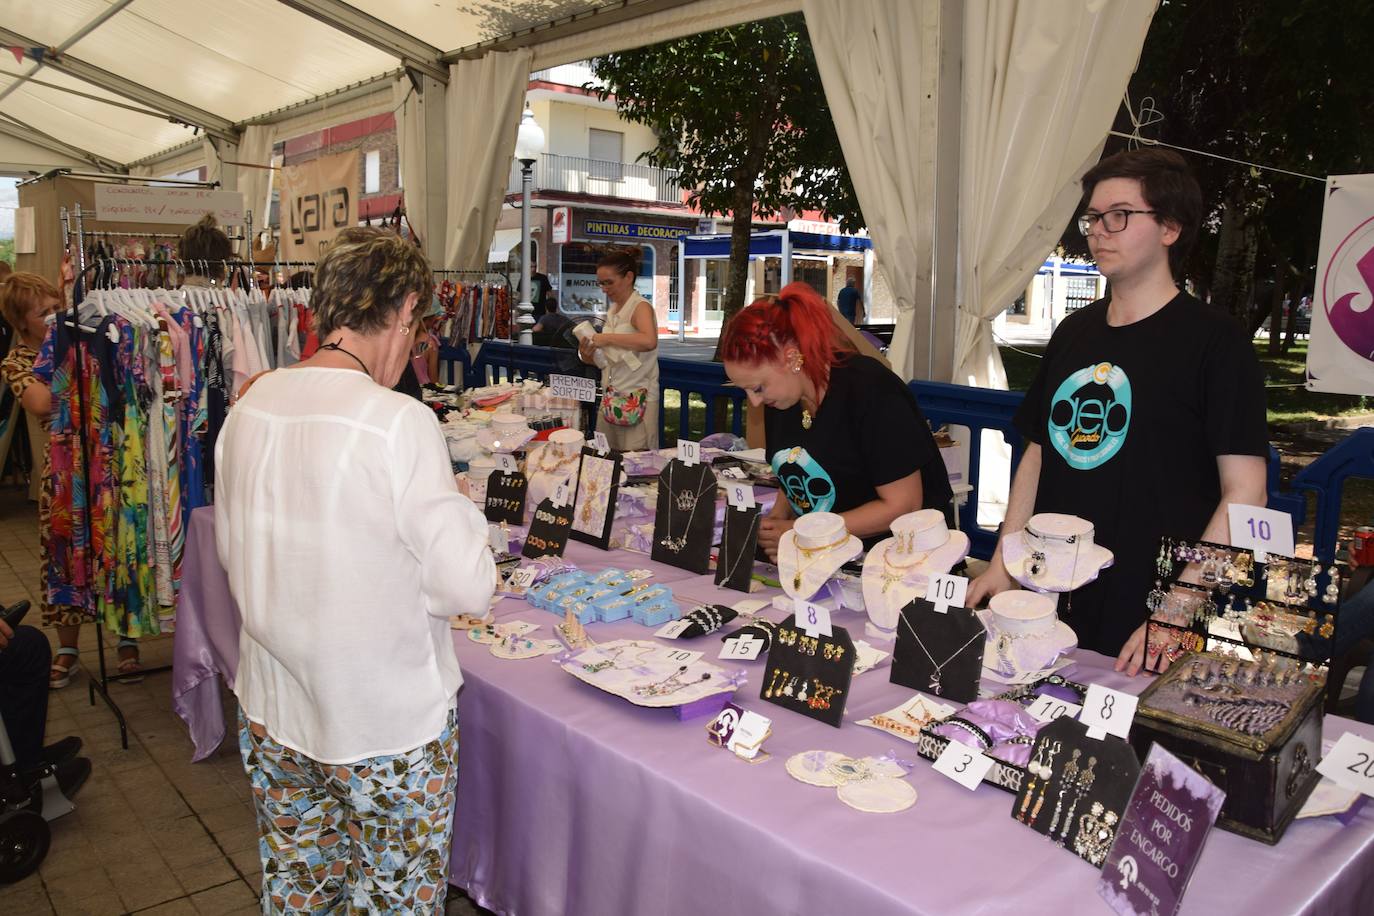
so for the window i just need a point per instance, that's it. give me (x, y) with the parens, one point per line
(372, 172)
(1080, 291)
(577, 273)
(606, 150)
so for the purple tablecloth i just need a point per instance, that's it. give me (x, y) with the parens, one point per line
(571, 801)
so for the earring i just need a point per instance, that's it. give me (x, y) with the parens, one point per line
(404, 330)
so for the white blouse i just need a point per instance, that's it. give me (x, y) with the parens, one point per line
(348, 547)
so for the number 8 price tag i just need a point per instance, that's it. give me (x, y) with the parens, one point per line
(1107, 712)
(1350, 764)
(965, 765)
(813, 619)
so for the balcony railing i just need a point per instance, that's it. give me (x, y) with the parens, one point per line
(579, 175)
(578, 74)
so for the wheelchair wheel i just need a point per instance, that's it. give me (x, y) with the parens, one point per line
(24, 839)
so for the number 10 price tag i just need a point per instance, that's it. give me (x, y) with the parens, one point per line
(945, 590)
(964, 765)
(1047, 709)
(1350, 764)
(689, 453)
(1264, 531)
(1107, 712)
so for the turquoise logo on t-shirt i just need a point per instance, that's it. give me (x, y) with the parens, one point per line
(807, 485)
(1090, 415)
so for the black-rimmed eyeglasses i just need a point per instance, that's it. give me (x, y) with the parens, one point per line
(1112, 220)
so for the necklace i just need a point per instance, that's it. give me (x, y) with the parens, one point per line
(558, 462)
(939, 666)
(686, 501)
(334, 345)
(725, 546)
(893, 573)
(810, 554)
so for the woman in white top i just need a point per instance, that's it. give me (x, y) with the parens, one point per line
(348, 548)
(629, 343)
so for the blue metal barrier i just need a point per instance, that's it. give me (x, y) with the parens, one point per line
(978, 409)
(1353, 456)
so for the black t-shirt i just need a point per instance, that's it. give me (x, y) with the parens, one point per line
(868, 432)
(1130, 422)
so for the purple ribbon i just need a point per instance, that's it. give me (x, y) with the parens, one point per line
(891, 757)
(737, 679)
(815, 760)
(562, 658)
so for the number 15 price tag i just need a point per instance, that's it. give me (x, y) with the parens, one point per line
(1107, 712)
(1350, 764)
(964, 765)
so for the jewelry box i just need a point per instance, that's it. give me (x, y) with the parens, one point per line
(1252, 728)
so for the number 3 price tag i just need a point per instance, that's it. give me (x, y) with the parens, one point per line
(1264, 531)
(689, 453)
(964, 765)
(813, 618)
(1350, 764)
(1107, 712)
(945, 590)
(1047, 709)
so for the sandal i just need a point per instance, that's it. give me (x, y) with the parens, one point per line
(60, 675)
(130, 670)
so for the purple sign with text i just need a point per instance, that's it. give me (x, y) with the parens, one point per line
(1160, 839)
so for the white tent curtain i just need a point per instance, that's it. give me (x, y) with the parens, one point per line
(255, 149)
(869, 56)
(411, 128)
(213, 167)
(1042, 80)
(484, 101)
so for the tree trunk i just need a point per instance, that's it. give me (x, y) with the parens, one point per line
(1276, 306)
(1290, 326)
(1237, 246)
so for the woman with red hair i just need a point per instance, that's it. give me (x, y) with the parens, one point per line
(843, 433)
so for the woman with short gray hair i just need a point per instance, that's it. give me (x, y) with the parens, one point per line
(348, 547)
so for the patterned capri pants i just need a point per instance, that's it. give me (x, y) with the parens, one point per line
(365, 837)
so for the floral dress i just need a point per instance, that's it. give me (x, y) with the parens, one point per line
(17, 369)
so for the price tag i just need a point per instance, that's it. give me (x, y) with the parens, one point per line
(672, 629)
(733, 473)
(1047, 709)
(521, 579)
(945, 590)
(749, 734)
(965, 765)
(739, 495)
(561, 494)
(1264, 531)
(600, 442)
(1350, 764)
(689, 453)
(1106, 711)
(742, 648)
(813, 618)
(678, 656)
(506, 464)
(496, 537)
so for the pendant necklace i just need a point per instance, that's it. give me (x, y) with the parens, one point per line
(806, 418)
(939, 666)
(685, 501)
(334, 345)
(725, 545)
(810, 553)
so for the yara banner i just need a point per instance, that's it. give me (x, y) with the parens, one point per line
(318, 198)
(1340, 355)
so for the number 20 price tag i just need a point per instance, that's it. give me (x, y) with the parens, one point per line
(964, 765)
(1350, 764)
(945, 590)
(1107, 712)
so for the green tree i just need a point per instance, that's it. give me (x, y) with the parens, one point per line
(740, 113)
(7, 251)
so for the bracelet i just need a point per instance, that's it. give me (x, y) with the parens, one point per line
(983, 737)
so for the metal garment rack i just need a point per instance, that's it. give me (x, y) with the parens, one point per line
(499, 279)
(75, 234)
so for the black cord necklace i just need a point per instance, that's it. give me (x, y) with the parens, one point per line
(334, 345)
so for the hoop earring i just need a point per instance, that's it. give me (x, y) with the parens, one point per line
(404, 330)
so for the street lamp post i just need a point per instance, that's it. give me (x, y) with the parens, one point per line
(529, 143)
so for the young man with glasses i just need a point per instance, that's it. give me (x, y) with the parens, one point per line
(1147, 416)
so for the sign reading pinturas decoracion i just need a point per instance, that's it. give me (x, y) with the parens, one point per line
(646, 231)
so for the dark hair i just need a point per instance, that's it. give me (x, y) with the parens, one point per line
(364, 277)
(550, 305)
(798, 317)
(205, 241)
(1169, 188)
(622, 260)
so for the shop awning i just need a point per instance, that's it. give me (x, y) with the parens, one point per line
(501, 244)
(773, 242)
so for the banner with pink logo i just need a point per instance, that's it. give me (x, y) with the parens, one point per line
(1340, 355)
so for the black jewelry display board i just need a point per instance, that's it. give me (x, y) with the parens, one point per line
(549, 531)
(685, 517)
(598, 482)
(809, 675)
(1076, 788)
(738, 543)
(939, 654)
(506, 498)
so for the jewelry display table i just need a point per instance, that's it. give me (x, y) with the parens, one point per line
(573, 801)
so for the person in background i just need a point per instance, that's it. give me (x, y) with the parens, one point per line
(1147, 415)
(203, 249)
(347, 680)
(850, 302)
(843, 433)
(629, 342)
(27, 299)
(24, 659)
(552, 321)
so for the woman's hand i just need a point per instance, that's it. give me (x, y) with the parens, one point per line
(994, 580)
(770, 532)
(586, 350)
(1132, 655)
